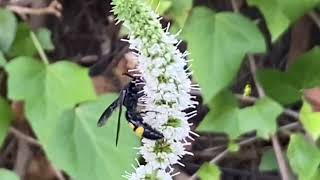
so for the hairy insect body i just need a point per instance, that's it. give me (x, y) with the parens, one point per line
(134, 116)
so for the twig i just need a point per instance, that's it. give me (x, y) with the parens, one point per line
(253, 69)
(313, 15)
(37, 44)
(27, 139)
(252, 99)
(24, 154)
(58, 173)
(54, 8)
(284, 171)
(21, 135)
(280, 158)
(245, 142)
(235, 6)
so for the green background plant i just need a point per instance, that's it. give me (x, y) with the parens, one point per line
(62, 107)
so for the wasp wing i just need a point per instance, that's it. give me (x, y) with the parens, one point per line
(120, 102)
(107, 113)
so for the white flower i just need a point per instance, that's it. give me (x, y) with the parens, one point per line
(166, 91)
(162, 154)
(146, 172)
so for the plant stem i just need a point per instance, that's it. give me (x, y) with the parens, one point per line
(37, 44)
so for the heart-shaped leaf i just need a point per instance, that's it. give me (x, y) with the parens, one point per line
(225, 116)
(89, 152)
(218, 46)
(279, 14)
(286, 87)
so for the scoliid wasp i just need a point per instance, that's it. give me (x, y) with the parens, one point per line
(129, 97)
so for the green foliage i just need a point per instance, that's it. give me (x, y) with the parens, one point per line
(5, 119)
(3, 61)
(47, 90)
(160, 5)
(44, 36)
(23, 44)
(310, 120)
(71, 139)
(8, 25)
(268, 161)
(179, 12)
(233, 147)
(209, 172)
(225, 116)
(286, 87)
(219, 46)
(8, 175)
(89, 152)
(304, 157)
(279, 14)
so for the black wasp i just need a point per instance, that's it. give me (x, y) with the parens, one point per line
(129, 98)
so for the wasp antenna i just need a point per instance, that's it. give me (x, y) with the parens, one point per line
(127, 74)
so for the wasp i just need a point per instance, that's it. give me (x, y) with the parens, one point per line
(129, 97)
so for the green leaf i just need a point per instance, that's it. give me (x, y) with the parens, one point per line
(278, 86)
(285, 87)
(209, 172)
(3, 60)
(8, 25)
(5, 119)
(160, 5)
(179, 12)
(8, 175)
(279, 14)
(47, 89)
(261, 117)
(310, 120)
(51, 89)
(304, 157)
(89, 152)
(22, 45)
(268, 161)
(219, 46)
(225, 116)
(44, 36)
(316, 176)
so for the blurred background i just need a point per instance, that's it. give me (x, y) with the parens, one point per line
(53, 92)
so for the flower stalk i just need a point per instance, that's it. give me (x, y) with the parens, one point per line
(166, 90)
